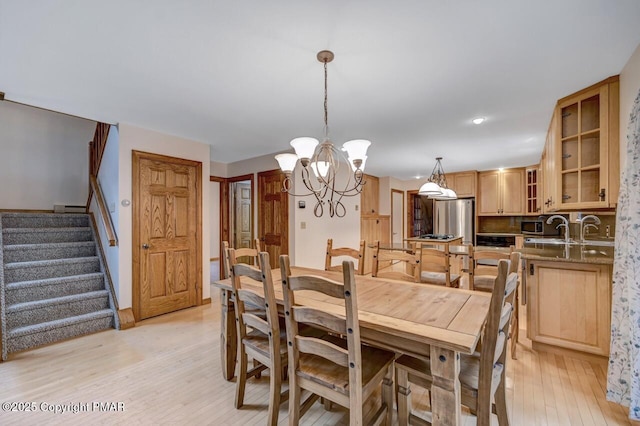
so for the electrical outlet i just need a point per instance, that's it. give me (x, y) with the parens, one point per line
(303, 225)
(357, 207)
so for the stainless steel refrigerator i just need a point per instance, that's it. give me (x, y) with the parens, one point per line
(454, 217)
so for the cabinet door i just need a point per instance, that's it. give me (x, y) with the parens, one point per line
(374, 228)
(488, 193)
(533, 191)
(570, 305)
(582, 150)
(464, 183)
(512, 186)
(370, 196)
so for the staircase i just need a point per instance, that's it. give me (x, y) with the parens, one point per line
(52, 281)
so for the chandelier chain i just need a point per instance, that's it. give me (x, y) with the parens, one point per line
(326, 108)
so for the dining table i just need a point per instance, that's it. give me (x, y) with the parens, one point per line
(421, 320)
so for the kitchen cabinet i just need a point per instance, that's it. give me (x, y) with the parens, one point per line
(532, 188)
(463, 183)
(548, 171)
(582, 153)
(500, 192)
(374, 228)
(569, 305)
(370, 196)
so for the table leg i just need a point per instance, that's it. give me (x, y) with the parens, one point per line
(445, 391)
(228, 336)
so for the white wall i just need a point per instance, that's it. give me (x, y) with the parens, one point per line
(135, 138)
(629, 87)
(44, 158)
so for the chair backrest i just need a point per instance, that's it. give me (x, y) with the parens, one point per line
(496, 331)
(240, 254)
(436, 261)
(405, 264)
(344, 251)
(344, 324)
(265, 304)
(484, 263)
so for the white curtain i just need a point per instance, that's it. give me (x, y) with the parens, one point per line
(623, 382)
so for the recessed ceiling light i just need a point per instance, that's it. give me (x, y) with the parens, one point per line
(478, 120)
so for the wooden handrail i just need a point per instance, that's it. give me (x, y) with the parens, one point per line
(96, 151)
(104, 212)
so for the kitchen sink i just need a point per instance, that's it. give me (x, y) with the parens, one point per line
(559, 241)
(553, 241)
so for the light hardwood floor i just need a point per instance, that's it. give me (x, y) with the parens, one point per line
(166, 370)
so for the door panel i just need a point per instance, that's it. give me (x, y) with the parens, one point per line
(167, 234)
(273, 214)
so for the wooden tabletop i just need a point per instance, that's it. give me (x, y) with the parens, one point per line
(403, 316)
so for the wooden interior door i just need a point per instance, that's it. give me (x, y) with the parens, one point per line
(167, 234)
(397, 216)
(273, 214)
(243, 229)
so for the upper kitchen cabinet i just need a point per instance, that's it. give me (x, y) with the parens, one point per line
(586, 153)
(370, 196)
(532, 190)
(500, 192)
(463, 183)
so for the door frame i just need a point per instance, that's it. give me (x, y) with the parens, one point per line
(224, 205)
(136, 156)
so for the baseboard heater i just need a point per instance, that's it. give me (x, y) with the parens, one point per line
(60, 208)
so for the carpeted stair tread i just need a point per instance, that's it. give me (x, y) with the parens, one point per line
(12, 236)
(49, 262)
(43, 220)
(44, 251)
(36, 304)
(51, 281)
(50, 325)
(51, 268)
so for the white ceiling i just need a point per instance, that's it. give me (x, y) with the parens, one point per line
(243, 75)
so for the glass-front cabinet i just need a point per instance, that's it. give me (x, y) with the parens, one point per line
(587, 128)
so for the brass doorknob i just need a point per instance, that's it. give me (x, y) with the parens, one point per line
(145, 246)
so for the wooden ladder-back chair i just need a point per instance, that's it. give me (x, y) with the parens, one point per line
(482, 376)
(242, 252)
(344, 251)
(259, 336)
(336, 369)
(482, 278)
(410, 260)
(436, 267)
(483, 267)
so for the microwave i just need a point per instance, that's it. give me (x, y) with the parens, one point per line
(538, 227)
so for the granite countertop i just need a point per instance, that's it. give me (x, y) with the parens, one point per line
(433, 240)
(499, 234)
(576, 253)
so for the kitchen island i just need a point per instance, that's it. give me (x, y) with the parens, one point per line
(568, 296)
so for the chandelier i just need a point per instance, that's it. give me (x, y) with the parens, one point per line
(320, 162)
(436, 187)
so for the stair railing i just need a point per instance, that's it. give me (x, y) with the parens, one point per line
(96, 151)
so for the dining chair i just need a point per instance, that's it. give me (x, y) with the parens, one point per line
(404, 264)
(241, 253)
(482, 376)
(259, 336)
(483, 267)
(341, 370)
(344, 251)
(482, 276)
(435, 267)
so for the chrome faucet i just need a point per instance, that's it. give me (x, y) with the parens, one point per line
(565, 223)
(584, 226)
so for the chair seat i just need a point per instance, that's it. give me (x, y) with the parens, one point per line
(469, 370)
(439, 278)
(483, 282)
(333, 376)
(260, 342)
